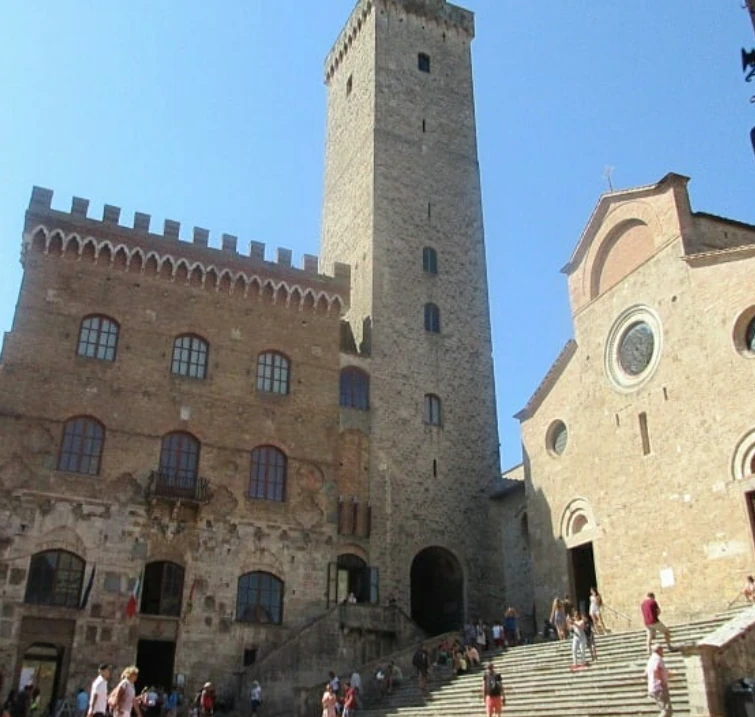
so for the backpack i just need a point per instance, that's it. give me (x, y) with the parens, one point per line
(493, 683)
(114, 698)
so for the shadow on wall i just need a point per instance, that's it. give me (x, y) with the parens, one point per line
(550, 569)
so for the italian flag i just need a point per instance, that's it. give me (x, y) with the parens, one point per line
(133, 599)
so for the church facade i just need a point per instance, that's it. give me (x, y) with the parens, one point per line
(199, 445)
(639, 444)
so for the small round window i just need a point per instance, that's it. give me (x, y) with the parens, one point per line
(557, 438)
(633, 349)
(636, 348)
(744, 333)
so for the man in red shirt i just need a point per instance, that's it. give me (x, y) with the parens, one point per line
(650, 612)
(350, 701)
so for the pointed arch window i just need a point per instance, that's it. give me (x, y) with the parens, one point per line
(268, 474)
(272, 372)
(179, 460)
(429, 260)
(190, 354)
(433, 414)
(98, 337)
(355, 389)
(55, 578)
(81, 448)
(259, 598)
(432, 318)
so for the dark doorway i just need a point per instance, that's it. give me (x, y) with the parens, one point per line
(155, 659)
(437, 585)
(582, 575)
(750, 498)
(41, 667)
(350, 574)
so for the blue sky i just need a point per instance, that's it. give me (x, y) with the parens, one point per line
(213, 114)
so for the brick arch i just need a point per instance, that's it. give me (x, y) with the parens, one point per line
(61, 538)
(577, 522)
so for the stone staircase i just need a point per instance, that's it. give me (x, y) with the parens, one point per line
(539, 683)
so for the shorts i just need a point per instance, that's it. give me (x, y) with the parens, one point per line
(493, 704)
(656, 627)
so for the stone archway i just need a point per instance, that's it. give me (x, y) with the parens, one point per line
(437, 590)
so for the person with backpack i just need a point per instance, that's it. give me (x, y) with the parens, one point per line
(492, 691)
(123, 698)
(421, 663)
(207, 700)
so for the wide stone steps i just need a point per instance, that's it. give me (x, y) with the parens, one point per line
(539, 683)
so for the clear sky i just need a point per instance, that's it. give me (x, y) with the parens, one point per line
(213, 114)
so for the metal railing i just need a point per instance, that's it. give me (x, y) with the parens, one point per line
(169, 486)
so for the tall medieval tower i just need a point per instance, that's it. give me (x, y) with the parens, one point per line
(402, 206)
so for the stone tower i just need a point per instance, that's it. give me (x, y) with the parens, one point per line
(402, 206)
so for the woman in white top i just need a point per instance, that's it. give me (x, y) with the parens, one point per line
(124, 698)
(596, 602)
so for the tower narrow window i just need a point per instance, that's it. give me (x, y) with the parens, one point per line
(355, 389)
(432, 318)
(432, 410)
(424, 126)
(644, 434)
(429, 260)
(349, 85)
(423, 62)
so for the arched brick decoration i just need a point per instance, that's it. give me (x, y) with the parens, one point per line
(626, 247)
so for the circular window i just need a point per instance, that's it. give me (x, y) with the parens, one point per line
(633, 348)
(557, 438)
(744, 333)
(636, 348)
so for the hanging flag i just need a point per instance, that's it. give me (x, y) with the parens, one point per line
(88, 588)
(133, 599)
(190, 601)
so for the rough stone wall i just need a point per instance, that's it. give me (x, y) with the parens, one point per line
(106, 520)
(416, 161)
(678, 514)
(510, 511)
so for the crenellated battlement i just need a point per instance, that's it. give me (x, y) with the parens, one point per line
(137, 248)
(449, 17)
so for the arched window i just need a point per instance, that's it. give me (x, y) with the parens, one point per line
(432, 318)
(268, 479)
(163, 589)
(272, 372)
(55, 578)
(750, 336)
(429, 260)
(190, 356)
(98, 338)
(81, 449)
(355, 389)
(432, 410)
(179, 460)
(259, 598)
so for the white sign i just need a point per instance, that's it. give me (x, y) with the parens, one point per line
(667, 578)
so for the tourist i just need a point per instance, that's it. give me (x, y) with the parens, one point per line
(568, 606)
(650, 612)
(511, 627)
(350, 701)
(657, 675)
(356, 683)
(207, 700)
(497, 631)
(473, 656)
(749, 589)
(596, 602)
(98, 692)
(170, 703)
(492, 691)
(82, 702)
(469, 633)
(421, 663)
(35, 704)
(481, 635)
(590, 637)
(351, 599)
(445, 649)
(150, 702)
(255, 696)
(7, 708)
(122, 700)
(460, 663)
(578, 641)
(22, 702)
(558, 618)
(390, 676)
(329, 701)
(335, 682)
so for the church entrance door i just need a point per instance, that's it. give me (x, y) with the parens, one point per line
(583, 577)
(437, 585)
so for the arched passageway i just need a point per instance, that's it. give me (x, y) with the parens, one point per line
(437, 585)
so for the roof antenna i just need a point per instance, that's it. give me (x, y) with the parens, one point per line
(608, 176)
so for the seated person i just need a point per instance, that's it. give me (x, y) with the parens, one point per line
(473, 656)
